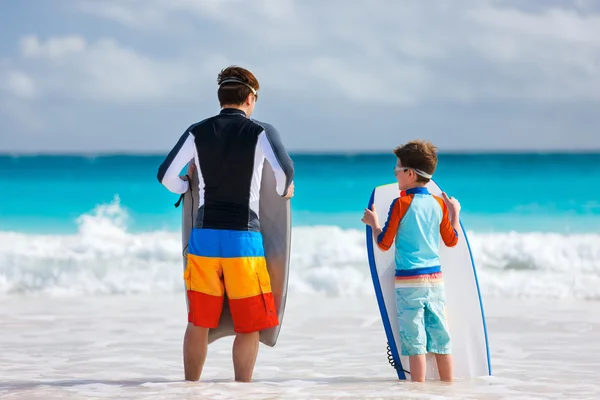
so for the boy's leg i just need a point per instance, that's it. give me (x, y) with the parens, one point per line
(410, 311)
(418, 368)
(438, 334)
(444, 364)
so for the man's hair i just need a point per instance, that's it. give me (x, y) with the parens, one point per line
(235, 92)
(418, 154)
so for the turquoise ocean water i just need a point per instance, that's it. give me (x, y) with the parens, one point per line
(523, 193)
(103, 224)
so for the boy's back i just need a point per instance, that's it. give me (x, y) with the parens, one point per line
(417, 220)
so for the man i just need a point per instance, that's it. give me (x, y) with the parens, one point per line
(225, 251)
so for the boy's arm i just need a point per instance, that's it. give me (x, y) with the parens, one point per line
(385, 237)
(449, 226)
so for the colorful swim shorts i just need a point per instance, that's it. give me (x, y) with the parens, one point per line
(229, 262)
(421, 311)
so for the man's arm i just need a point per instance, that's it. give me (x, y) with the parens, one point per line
(178, 157)
(276, 154)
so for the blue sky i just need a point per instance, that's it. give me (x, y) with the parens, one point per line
(471, 75)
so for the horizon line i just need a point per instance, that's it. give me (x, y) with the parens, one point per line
(307, 153)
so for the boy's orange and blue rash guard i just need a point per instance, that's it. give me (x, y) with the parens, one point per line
(417, 220)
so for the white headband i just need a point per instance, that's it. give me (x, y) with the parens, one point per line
(235, 80)
(422, 173)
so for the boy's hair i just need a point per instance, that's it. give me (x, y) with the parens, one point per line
(236, 91)
(418, 154)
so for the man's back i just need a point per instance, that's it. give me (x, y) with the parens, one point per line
(230, 171)
(229, 150)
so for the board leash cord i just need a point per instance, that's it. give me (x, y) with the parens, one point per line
(391, 360)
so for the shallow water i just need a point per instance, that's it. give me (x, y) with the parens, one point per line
(329, 348)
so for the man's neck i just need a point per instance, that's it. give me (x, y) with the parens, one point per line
(237, 107)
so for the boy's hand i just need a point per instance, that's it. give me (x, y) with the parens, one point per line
(452, 204)
(370, 217)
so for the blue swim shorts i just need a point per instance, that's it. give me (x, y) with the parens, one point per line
(420, 303)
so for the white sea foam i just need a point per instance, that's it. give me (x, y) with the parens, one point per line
(103, 257)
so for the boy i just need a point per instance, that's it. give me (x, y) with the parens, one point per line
(416, 221)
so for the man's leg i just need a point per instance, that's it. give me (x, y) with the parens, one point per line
(251, 301)
(205, 293)
(195, 347)
(245, 350)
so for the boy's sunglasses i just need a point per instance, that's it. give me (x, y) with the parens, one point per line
(398, 169)
(424, 174)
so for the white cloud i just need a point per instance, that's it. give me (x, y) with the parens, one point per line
(53, 48)
(394, 51)
(152, 15)
(553, 55)
(103, 71)
(565, 26)
(144, 15)
(19, 84)
(502, 67)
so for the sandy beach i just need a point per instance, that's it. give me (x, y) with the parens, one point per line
(129, 347)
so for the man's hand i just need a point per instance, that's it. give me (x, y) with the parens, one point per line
(191, 168)
(290, 192)
(190, 171)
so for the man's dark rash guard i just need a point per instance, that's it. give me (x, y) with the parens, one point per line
(229, 151)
